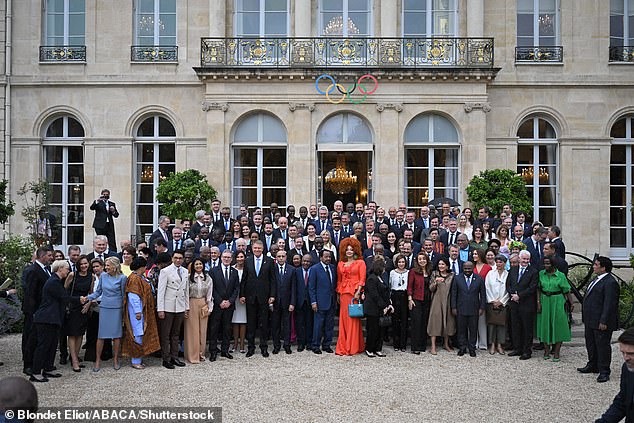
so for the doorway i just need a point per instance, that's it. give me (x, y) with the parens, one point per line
(345, 176)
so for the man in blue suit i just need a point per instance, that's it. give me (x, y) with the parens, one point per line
(322, 282)
(284, 303)
(468, 300)
(303, 310)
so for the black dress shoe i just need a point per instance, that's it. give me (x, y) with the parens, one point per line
(250, 353)
(212, 357)
(327, 350)
(52, 369)
(168, 365)
(52, 375)
(472, 353)
(34, 379)
(226, 355)
(27, 371)
(276, 350)
(461, 353)
(1, 363)
(288, 350)
(317, 351)
(525, 357)
(538, 347)
(603, 377)
(301, 348)
(416, 352)
(514, 354)
(265, 353)
(587, 369)
(63, 360)
(177, 362)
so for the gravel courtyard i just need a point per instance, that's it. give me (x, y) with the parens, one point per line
(326, 388)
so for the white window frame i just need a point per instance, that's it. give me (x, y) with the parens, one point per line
(66, 24)
(262, 15)
(626, 24)
(628, 142)
(429, 19)
(156, 141)
(536, 34)
(65, 142)
(535, 142)
(156, 23)
(344, 14)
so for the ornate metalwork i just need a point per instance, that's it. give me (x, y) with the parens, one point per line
(154, 54)
(330, 52)
(622, 54)
(62, 54)
(539, 54)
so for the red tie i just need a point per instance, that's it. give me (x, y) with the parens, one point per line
(306, 277)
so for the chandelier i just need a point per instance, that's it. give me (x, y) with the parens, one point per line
(340, 180)
(147, 174)
(528, 175)
(335, 27)
(146, 24)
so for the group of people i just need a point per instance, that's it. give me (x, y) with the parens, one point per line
(447, 278)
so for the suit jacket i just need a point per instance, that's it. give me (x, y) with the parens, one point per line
(621, 407)
(600, 305)
(103, 217)
(54, 300)
(468, 300)
(420, 222)
(219, 226)
(444, 238)
(320, 227)
(92, 255)
(157, 234)
(560, 248)
(292, 253)
(223, 289)
(35, 277)
(320, 289)
(459, 263)
(172, 294)
(264, 241)
(342, 234)
(257, 289)
(170, 245)
(286, 287)
(536, 260)
(526, 287)
(301, 287)
(377, 296)
(223, 246)
(195, 229)
(389, 264)
(277, 234)
(199, 243)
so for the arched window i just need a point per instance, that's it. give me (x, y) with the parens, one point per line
(64, 170)
(155, 140)
(622, 187)
(537, 161)
(431, 159)
(259, 162)
(344, 128)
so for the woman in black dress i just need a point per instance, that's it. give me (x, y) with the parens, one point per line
(79, 283)
(377, 303)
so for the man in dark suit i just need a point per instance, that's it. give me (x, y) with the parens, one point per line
(99, 246)
(424, 221)
(410, 223)
(284, 304)
(258, 290)
(203, 241)
(198, 224)
(623, 404)
(303, 310)
(299, 249)
(358, 215)
(267, 237)
(428, 247)
(322, 283)
(465, 251)
(225, 223)
(323, 223)
(521, 284)
(451, 236)
(337, 234)
(455, 264)
(468, 300)
(554, 234)
(600, 317)
(105, 213)
(162, 231)
(226, 287)
(535, 246)
(379, 250)
(228, 243)
(315, 253)
(35, 276)
(560, 264)
(176, 243)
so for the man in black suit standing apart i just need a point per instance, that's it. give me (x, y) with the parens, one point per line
(225, 292)
(303, 310)
(623, 404)
(521, 284)
(258, 290)
(468, 300)
(322, 282)
(105, 213)
(600, 317)
(284, 304)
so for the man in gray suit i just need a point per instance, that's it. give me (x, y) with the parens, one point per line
(468, 300)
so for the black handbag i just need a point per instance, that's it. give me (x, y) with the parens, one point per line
(72, 290)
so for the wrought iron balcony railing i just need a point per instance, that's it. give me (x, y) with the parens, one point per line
(52, 54)
(324, 52)
(622, 54)
(554, 54)
(154, 54)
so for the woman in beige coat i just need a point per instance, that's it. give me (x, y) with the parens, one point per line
(441, 321)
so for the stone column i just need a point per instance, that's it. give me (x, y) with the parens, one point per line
(303, 18)
(475, 18)
(301, 153)
(388, 19)
(387, 174)
(217, 18)
(218, 150)
(474, 144)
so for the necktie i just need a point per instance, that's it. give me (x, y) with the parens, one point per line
(228, 246)
(328, 274)
(48, 270)
(284, 235)
(281, 271)
(165, 235)
(100, 257)
(522, 270)
(369, 242)
(306, 277)
(536, 248)
(175, 245)
(469, 282)
(226, 274)
(257, 266)
(226, 225)
(291, 244)
(451, 239)
(268, 242)
(454, 268)
(592, 284)
(178, 270)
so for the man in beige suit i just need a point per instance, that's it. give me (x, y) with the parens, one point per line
(172, 304)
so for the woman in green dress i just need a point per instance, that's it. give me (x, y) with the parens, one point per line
(552, 319)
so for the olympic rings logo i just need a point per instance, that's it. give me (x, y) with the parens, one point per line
(347, 93)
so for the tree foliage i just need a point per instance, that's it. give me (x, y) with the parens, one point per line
(7, 207)
(183, 193)
(35, 196)
(496, 187)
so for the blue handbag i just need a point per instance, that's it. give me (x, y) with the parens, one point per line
(355, 309)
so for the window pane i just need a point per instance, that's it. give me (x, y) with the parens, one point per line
(618, 154)
(414, 24)
(145, 173)
(145, 153)
(166, 129)
(245, 196)
(53, 154)
(274, 177)
(444, 131)
(333, 24)
(54, 173)
(75, 193)
(547, 5)
(249, 24)
(75, 215)
(617, 238)
(358, 131)
(146, 129)
(245, 177)
(56, 194)
(247, 130)
(618, 129)
(616, 26)
(167, 25)
(358, 24)
(415, 197)
(165, 170)
(246, 157)
(616, 7)
(525, 28)
(358, 5)
(55, 6)
(617, 196)
(274, 157)
(145, 193)
(547, 196)
(76, 173)
(272, 129)
(526, 129)
(274, 195)
(276, 5)
(417, 178)
(331, 130)
(546, 130)
(548, 154)
(446, 192)
(275, 24)
(443, 23)
(414, 5)
(617, 175)
(144, 214)
(618, 216)
(445, 178)
(417, 130)
(445, 157)
(167, 6)
(75, 235)
(524, 154)
(332, 5)
(55, 129)
(548, 216)
(167, 153)
(74, 128)
(417, 157)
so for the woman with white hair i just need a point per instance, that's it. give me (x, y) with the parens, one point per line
(111, 288)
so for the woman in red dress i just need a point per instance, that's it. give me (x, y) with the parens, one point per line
(350, 280)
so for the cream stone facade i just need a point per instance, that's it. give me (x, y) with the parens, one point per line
(111, 94)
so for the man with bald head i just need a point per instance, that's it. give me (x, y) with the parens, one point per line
(282, 229)
(468, 301)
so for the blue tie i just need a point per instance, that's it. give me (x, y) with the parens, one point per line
(469, 282)
(257, 267)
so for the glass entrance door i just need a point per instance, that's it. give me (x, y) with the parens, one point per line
(345, 176)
